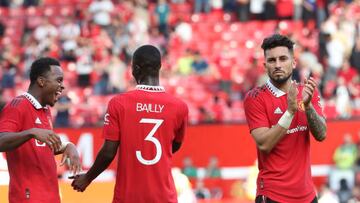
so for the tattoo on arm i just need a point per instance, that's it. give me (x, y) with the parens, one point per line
(316, 123)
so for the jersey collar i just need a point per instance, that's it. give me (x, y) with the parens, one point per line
(274, 90)
(33, 101)
(150, 88)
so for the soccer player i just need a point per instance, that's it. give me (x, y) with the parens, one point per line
(147, 125)
(280, 115)
(27, 137)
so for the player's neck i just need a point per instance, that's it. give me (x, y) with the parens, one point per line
(150, 82)
(35, 94)
(282, 86)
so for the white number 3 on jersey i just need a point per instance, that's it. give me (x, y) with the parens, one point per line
(150, 137)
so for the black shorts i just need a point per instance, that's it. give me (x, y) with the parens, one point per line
(263, 199)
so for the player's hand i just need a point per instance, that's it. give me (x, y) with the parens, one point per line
(47, 136)
(72, 159)
(80, 182)
(291, 98)
(308, 91)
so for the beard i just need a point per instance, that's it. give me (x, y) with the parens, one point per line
(280, 80)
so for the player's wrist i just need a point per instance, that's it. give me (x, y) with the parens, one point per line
(286, 119)
(29, 133)
(64, 145)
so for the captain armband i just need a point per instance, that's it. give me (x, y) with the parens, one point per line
(286, 119)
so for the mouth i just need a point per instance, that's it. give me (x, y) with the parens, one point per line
(278, 72)
(57, 95)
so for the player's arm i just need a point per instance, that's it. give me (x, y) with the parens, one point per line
(267, 138)
(180, 132)
(103, 159)
(317, 123)
(12, 140)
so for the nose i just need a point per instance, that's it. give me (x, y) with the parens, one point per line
(277, 63)
(62, 86)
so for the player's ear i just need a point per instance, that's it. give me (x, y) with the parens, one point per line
(41, 81)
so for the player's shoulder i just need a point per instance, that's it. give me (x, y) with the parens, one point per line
(176, 100)
(18, 102)
(255, 93)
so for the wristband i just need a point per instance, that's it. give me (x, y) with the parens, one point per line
(63, 145)
(286, 119)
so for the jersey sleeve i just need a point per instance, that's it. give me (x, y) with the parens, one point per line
(10, 119)
(180, 132)
(255, 112)
(111, 129)
(316, 102)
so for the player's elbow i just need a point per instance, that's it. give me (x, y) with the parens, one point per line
(265, 148)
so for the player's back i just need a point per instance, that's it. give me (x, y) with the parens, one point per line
(149, 122)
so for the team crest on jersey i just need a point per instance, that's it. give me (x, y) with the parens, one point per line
(106, 119)
(39, 143)
(301, 106)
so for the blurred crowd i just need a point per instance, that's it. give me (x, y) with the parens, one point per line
(211, 50)
(343, 183)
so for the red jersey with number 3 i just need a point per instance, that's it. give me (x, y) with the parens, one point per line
(284, 173)
(32, 167)
(146, 121)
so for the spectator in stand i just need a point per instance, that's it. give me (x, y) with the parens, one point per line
(201, 192)
(8, 75)
(308, 10)
(213, 170)
(256, 8)
(199, 65)
(101, 11)
(188, 169)
(355, 55)
(347, 72)
(336, 53)
(326, 195)
(116, 69)
(345, 192)
(183, 30)
(158, 40)
(162, 12)
(68, 33)
(102, 86)
(242, 10)
(28, 3)
(343, 100)
(345, 154)
(183, 64)
(202, 6)
(62, 107)
(2, 29)
(45, 31)
(344, 157)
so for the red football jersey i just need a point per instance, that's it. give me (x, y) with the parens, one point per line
(284, 173)
(146, 121)
(32, 167)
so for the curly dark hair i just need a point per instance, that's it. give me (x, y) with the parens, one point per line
(277, 40)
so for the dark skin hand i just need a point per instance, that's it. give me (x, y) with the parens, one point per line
(103, 160)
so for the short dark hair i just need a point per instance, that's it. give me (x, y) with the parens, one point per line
(148, 59)
(40, 67)
(277, 40)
